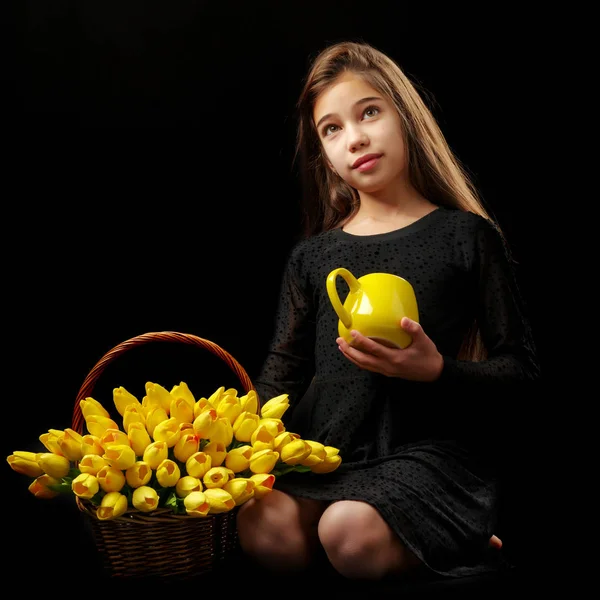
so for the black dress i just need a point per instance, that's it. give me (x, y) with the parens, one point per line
(420, 453)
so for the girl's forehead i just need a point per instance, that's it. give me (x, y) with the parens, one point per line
(343, 93)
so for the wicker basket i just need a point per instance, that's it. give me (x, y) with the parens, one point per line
(160, 544)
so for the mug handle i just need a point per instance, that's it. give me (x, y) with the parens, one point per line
(354, 286)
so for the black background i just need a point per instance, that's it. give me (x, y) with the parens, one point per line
(152, 189)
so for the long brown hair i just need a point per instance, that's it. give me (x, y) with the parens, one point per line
(434, 171)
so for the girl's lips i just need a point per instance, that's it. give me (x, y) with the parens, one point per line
(367, 166)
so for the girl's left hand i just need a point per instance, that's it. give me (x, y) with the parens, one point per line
(420, 361)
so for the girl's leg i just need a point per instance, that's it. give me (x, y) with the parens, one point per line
(360, 544)
(280, 531)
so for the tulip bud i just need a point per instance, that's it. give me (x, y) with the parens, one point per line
(50, 440)
(133, 414)
(70, 445)
(282, 440)
(263, 484)
(229, 408)
(155, 453)
(263, 461)
(295, 452)
(154, 417)
(114, 436)
(215, 398)
(111, 479)
(198, 464)
(196, 504)
(139, 438)
(145, 498)
(186, 485)
(202, 405)
(139, 474)
(331, 462)
(181, 411)
(98, 424)
(203, 423)
(249, 402)
(275, 407)
(245, 425)
(122, 399)
(221, 431)
(217, 453)
(219, 500)
(85, 485)
(187, 445)
(112, 505)
(92, 463)
(39, 487)
(238, 459)
(54, 465)
(90, 444)
(89, 406)
(183, 391)
(168, 473)
(316, 456)
(217, 477)
(157, 395)
(241, 489)
(167, 431)
(25, 463)
(120, 456)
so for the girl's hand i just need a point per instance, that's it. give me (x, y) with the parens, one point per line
(420, 361)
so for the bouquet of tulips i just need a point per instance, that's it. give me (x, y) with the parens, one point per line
(196, 457)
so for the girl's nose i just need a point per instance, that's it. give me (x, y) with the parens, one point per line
(358, 139)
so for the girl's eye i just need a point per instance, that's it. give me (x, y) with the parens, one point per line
(329, 129)
(373, 110)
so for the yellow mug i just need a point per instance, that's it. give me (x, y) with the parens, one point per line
(374, 306)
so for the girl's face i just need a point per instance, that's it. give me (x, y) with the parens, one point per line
(355, 122)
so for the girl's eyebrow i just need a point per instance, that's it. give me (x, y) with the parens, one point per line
(357, 103)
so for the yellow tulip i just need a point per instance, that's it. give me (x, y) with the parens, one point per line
(245, 425)
(145, 498)
(295, 452)
(112, 505)
(221, 431)
(183, 391)
(25, 463)
(196, 504)
(122, 399)
(120, 456)
(263, 461)
(54, 465)
(249, 402)
(39, 486)
(98, 424)
(50, 440)
(111, 479)
(167, 431)
(139, 438)
(215, 398)
(331, 462)
(187, 445)
(90, 444)
(238, 459)
(203, 423)
(154, 417)
(92, 463)
(263, 484)
(70, 445)
(201, 405)
(133, 414)
(139, 474)
(241, 489)
(284, 438)
(89, 406)
(155, 453)
(114, 436)
(217, 453)
(198, 464)
(217, 477)
(157, 395)
(317, 454)
(181, 411)
(275, 407)
(168, 473)
(229, 408)
(219, 500)
(186, 485)
(85, 485)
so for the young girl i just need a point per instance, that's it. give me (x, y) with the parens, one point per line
(416, 427)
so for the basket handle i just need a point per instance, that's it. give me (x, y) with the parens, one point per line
(158, 336)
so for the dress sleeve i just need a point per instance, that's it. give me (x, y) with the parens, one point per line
(289, 364)
(505, 330)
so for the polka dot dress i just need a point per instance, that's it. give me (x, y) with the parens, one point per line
(420, 453)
